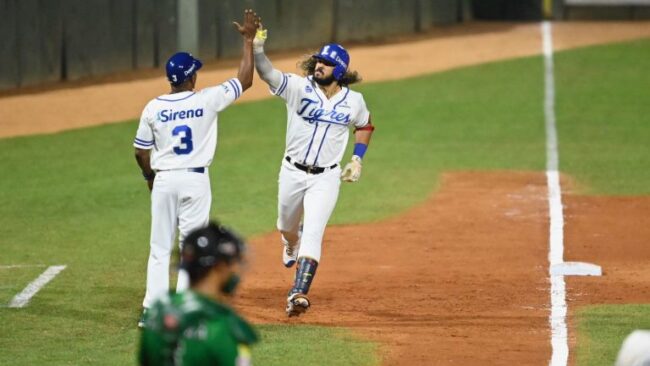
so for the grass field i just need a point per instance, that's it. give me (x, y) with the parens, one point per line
(77, 198)
(603, 329)
(603, 118)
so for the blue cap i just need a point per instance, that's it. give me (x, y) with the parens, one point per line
(336, 54)
(181, 66)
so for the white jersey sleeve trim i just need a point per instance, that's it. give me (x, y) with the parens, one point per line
(363, 116)
(283, 85)
(144, 145)
(237, 87)
(144, 138)
(363, 122)
(221, 96)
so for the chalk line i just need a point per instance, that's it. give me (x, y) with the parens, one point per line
(22, 299)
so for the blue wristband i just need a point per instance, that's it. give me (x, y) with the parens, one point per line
(360, 149)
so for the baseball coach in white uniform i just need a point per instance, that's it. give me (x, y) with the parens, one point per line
(321, 109)
(174, 146)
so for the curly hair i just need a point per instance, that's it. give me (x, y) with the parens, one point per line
(308, 65)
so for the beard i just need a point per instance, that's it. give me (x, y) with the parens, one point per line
(323, 81)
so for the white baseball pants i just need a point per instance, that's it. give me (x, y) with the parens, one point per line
(310, 196)
(182, 199)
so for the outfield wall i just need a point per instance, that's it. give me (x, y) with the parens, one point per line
(47, 41)
(560, 9)
(603, 10)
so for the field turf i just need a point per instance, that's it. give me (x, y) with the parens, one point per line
(603, 119)
(77, 198)
(603, 329)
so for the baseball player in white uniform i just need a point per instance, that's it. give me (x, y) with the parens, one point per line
(174, 146)
(321, 109)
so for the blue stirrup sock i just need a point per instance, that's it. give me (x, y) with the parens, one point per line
(305, 272)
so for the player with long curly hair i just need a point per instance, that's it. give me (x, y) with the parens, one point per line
(321, 108)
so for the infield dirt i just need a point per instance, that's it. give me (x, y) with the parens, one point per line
(460, 279)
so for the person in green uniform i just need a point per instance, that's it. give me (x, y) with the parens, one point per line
(196, 327)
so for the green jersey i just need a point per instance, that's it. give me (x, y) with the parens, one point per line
(191, 329)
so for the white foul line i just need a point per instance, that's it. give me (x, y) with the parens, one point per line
(559, 332)
(22, 299)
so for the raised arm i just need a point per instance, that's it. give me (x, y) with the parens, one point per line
(251, 22)
(263, 65)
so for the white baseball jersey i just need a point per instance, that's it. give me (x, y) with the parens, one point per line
(317, 127)
(181, 128)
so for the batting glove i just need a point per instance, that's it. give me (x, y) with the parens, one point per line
(260, 38)
(352, 171)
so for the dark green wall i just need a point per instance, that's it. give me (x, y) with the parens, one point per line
(52, 40)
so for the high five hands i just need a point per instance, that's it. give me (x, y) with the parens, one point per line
(251, 23)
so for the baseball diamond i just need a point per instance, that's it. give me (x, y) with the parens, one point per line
(437, 254)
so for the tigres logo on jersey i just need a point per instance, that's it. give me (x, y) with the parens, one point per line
(310, 113)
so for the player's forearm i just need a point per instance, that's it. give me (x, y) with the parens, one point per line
(362, 140)
(143, 158)
(245, 74)
(266, 71)
(362, 137)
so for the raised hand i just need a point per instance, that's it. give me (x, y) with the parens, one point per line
(251, 22)
(260, 38)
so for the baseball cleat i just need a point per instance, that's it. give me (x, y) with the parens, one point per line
(289, 254)
(143, 318)
(297, 304)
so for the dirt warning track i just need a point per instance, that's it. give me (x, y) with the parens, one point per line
(442, 49)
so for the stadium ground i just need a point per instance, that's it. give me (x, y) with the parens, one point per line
(439, 255)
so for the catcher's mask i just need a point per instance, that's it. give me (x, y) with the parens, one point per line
(181, 66)
(335, 54)
(206, 247)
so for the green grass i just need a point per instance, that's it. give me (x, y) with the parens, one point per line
(281, 344)
(603, 329)
(603, 116)
(77, 197)
(13, 280)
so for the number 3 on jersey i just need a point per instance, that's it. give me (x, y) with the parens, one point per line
(186, 145)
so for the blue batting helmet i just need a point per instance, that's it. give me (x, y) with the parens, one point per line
(181, 66)
(337, 55)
